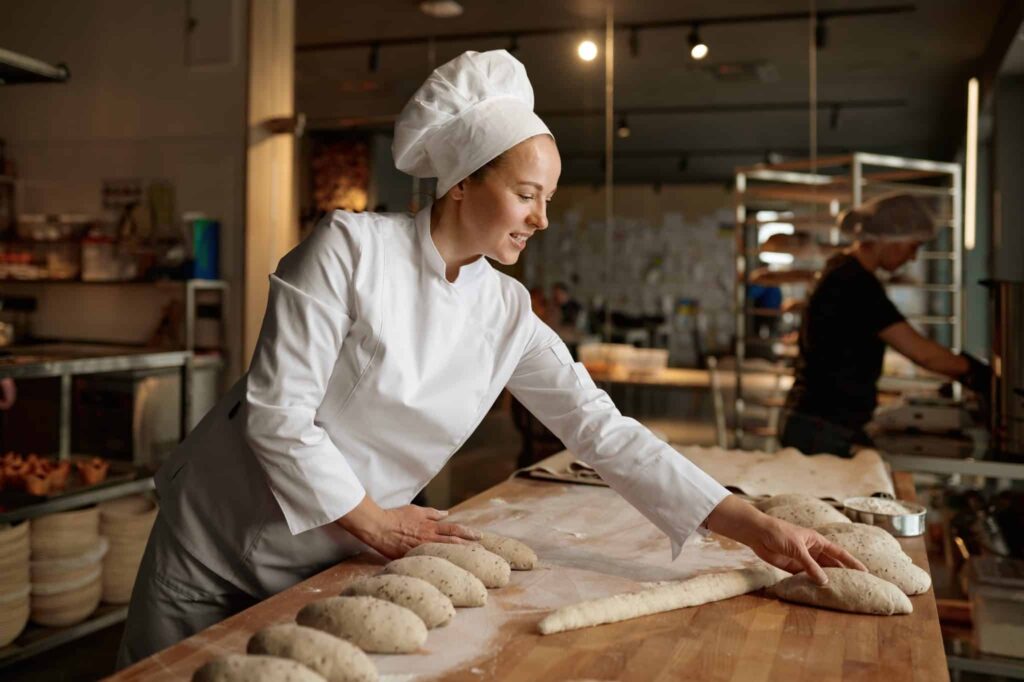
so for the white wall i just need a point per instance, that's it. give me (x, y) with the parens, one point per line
(669, 243)
(132, 108)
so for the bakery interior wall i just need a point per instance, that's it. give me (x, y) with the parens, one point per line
(673, 249)
(147, 99)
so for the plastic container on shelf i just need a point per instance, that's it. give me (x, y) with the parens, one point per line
(648, 360)
(62, 259)
(99, 259)
(21, 264)
(593, 356)
(40, 227)
(996, 587)
(620, 356)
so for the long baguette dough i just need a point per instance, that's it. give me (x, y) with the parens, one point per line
(693, 592)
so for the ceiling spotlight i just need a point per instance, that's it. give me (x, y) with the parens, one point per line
(587, 50)
(698, 49)
(623, 130)
(441, 9)
(820, 34)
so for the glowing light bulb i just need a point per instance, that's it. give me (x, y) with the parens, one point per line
(587, 50)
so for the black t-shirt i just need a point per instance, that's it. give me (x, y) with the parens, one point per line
(840, 352)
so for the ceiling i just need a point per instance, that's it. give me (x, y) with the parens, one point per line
(1013, 63)
(899, 79)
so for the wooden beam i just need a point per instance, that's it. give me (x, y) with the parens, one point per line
(271, 216)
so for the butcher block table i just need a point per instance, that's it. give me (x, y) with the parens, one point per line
(747, 638)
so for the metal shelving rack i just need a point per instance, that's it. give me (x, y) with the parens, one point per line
(812, 193)
(36, 639)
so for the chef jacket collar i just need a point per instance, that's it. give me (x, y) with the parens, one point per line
(435, 263)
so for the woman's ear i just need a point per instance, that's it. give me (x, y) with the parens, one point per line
(458, 191)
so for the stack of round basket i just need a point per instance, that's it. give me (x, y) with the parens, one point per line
(125, 523)
(14, 580)
(67, 556)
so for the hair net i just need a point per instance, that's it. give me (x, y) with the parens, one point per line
(891, 217)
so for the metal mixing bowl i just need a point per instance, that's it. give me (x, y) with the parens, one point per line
(905, 525)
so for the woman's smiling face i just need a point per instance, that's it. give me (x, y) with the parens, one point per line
(505, 204)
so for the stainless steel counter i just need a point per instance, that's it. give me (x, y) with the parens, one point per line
(966, 454)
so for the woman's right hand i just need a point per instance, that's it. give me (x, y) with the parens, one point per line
(777, 542)
(393, 532)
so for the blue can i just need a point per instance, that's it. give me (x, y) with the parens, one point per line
(205, 249)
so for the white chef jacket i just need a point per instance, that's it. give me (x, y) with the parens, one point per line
(370, 371)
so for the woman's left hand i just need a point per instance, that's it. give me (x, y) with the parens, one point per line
(779, 543)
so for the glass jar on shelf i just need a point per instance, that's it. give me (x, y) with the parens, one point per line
(62, 260)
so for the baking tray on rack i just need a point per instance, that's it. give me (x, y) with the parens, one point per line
(119, 472)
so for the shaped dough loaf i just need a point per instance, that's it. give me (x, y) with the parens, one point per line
(785, 500)
(809, 514)
(458, 584)
(847, 590)
(882, 555)
(241, 668)
(867, 534)
(899, 569)
(491, 569)
(703, 589)
(374, 625)
(415, 594)
(334, 659)
(518, 555)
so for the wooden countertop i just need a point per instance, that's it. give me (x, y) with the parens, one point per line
(751, 637)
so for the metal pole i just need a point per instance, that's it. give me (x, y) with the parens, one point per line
(857, 181)
(190, 314)
(609, 142)
(64, 447)
(186, 397)
(958, 271)
(812, 58)
(740, 301)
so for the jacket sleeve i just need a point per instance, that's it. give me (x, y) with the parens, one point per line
(664, 486)
(309, 312)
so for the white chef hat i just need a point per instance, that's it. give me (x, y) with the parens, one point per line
(892, 217)
(467, 113)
